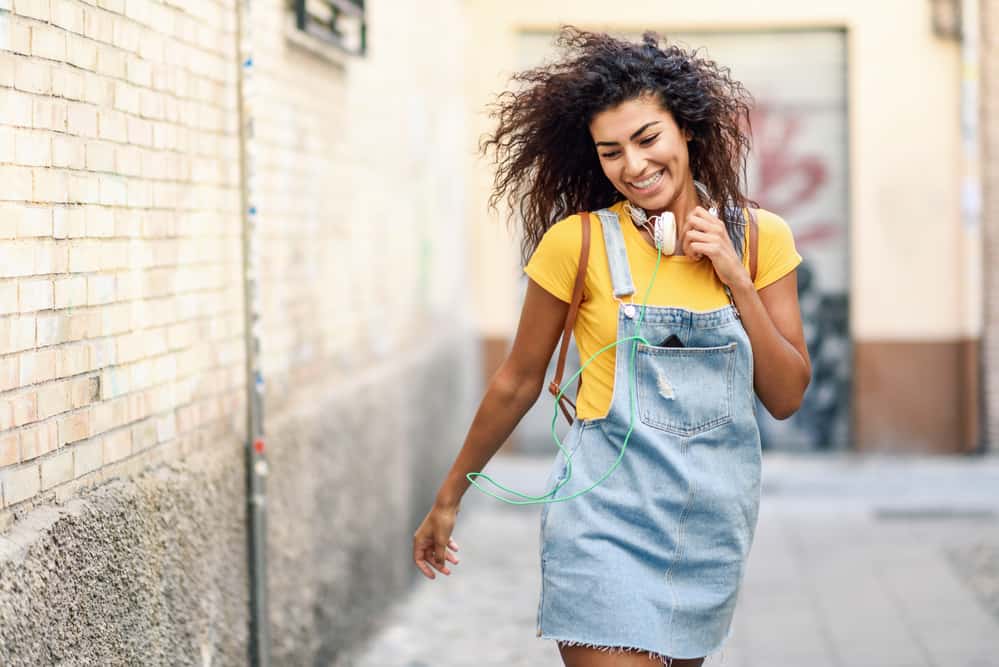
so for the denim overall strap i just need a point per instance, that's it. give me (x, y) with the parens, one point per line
(735, 224)
(617, 256)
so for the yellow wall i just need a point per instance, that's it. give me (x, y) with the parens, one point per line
(908, 249)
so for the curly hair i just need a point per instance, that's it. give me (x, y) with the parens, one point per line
(547, 166)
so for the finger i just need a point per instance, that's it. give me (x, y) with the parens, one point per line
(419, 558)
(425, 569)
(699, 235)
(687, 249)
(701, 212)
(419, 549)
(440, 549)
(452, 558)
(687, 240)
(442, 568)
(704, 222)
(453, 544)
(703, 248)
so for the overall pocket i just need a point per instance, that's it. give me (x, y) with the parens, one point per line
(559, 466)
(685, 390)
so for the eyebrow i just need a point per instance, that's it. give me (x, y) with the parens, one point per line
(635, 134)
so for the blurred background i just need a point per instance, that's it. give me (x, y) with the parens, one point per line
(251, 294)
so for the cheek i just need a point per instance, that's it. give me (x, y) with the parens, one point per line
(684, 153)
(609, 173)
(679, 152)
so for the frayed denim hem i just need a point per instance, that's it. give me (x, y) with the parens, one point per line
(665, 660)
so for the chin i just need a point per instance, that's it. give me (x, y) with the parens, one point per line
(657, 202)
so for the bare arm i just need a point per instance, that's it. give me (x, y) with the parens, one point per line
(512, 390)
(772, 318)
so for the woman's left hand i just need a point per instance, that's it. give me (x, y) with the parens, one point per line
(706, 236)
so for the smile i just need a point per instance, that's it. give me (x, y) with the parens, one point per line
(648, 182)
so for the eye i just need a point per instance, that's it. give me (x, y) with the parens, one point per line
(648, 140)
(611, 154)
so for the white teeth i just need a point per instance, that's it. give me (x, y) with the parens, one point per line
(651, 180)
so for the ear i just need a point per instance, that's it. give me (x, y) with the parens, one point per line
(688, 135)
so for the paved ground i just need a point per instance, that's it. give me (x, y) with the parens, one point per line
(857, 562)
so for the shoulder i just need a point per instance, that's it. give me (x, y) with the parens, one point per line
(555, 261)
(777, 252)
(571, 226)
(775, 235)
(566, 232)
(771, 225)
(558, 249)
(565, 237)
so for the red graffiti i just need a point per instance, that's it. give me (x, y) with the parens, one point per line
(816, 234)
(788, 179)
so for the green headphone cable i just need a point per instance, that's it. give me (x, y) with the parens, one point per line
(547, 498)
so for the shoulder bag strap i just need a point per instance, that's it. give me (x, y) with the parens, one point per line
(570, 318)
(754, 244)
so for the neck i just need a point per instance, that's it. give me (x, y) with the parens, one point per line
(685, 201)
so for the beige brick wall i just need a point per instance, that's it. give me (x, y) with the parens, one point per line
(121, 323)
(120, 272)
(120, 297)
(365, 317)
(360, 168)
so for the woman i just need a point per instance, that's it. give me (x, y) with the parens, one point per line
(645, 566)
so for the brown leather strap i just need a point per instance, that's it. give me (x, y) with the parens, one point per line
(570, 318)
(754, 244)
(565, 410)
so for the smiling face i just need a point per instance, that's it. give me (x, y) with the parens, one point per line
(643, 152)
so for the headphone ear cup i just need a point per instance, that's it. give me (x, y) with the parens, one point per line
(665, 233)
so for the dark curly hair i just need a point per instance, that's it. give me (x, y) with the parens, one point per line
(547, 166)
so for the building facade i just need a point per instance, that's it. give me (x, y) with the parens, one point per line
(858, 145)
(123, 345)
(989, 57)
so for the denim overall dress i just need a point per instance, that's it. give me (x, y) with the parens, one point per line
(652, 558)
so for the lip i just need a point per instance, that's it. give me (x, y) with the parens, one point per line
(652, 188)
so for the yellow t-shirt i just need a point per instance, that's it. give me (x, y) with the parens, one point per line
(681, 282)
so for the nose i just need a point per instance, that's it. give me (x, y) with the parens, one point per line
(634, 165)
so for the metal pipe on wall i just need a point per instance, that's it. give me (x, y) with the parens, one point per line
(256, 462)
(971, 216)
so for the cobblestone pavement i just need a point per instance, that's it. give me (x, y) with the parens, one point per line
(857, 561)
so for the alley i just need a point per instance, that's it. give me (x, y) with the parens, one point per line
(857, 562)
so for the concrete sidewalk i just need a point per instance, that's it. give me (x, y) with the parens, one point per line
(857, 562)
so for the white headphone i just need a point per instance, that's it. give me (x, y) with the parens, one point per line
(664, 225)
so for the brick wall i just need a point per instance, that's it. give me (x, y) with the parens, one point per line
(122, 376)
(121, 347)
(363, 309)
(120, 338)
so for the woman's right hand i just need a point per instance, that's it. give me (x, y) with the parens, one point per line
(512, 391)
(432, 541)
